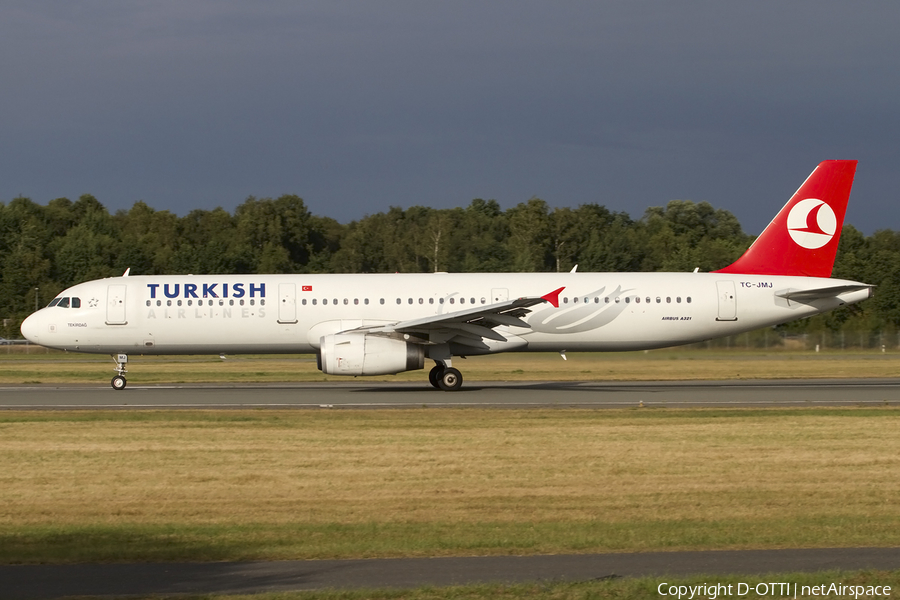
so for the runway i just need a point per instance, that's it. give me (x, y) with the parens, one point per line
(361, 394)
(45, 582)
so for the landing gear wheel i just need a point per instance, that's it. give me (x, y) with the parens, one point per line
(434, 376)
(451, 380)
(118, 382)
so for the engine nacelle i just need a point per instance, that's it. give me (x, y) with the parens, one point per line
(365, 354)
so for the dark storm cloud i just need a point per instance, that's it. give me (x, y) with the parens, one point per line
(358, 106)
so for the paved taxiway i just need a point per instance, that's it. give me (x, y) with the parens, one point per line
(44, 582)
(363, 394)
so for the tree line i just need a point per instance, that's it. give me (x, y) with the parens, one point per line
(44, 249)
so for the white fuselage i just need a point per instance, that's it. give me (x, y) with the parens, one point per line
(213, 314)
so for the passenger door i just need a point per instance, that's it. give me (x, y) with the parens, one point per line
(727, 301)
(115, 304)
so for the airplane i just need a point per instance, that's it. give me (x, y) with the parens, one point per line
(377, 324)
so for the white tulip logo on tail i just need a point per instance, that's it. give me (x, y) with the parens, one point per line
(811, 223)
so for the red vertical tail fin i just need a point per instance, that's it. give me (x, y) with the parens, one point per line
(803, 238)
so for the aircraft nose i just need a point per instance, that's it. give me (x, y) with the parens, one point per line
(31, 328)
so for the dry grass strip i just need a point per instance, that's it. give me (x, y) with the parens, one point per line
(660, 365)
(659, 474)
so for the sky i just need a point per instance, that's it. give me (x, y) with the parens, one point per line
(359, 106)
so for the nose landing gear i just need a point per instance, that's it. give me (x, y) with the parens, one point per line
(118, 382)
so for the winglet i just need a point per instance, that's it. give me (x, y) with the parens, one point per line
(553, 297)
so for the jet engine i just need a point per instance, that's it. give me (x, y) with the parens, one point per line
(366, 354)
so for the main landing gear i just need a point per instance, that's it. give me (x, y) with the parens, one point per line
(444, 377)
(118, 382)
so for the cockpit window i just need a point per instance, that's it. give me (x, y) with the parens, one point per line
(63, 303)
(76, 302)
(54, 302)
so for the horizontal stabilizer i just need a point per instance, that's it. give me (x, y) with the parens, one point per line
(820, 293)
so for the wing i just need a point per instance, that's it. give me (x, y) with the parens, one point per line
(467, 327)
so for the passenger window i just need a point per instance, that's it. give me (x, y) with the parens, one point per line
(346, 302)
(355, 301)
(678, 299)
(688, 299)
(179, 302)
(618, 299)
(410, 300)
(575, 300)
(169, 302)
(606, 300)
(148, 303)
(627, 299)
(242, 302)
(221, 303)
(596, 299)
(421, 301)
(658, 299)
(471, 300)
(159, 302)
(324, 301)
(190, 302)
(648, 299)
(262, 302)
(398, 301)
(366, 301)
(303, 302)
(381, 301)
(483, 301)
(566, 300)
(668, 299)
(334, 301)
(461, 300)
(440, 300)
(252, 302)
(431, 301)
(452, 300)
(637, 299)
(76, 302)
(231, 302)
(63, 303)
